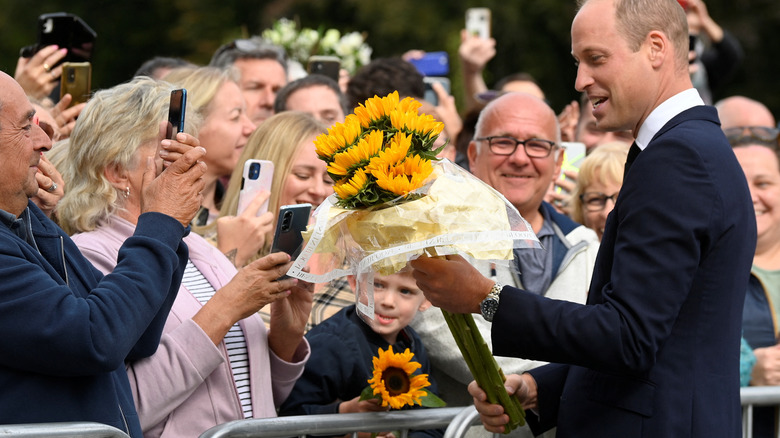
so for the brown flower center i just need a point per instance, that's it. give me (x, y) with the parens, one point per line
(396, 381)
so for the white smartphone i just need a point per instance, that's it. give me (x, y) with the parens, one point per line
(574, 154)
(257, 177)
(478, 22)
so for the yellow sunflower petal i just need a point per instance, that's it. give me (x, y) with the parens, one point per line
(349, 187)
(375, 108)
(339, 136)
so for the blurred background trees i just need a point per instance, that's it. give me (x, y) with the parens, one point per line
(532, 35)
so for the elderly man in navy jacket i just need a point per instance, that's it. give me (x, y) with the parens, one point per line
(66, 329)
(655, 351)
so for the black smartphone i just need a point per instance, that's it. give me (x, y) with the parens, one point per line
(292, 220)
(176, 112)
(66, 31)
(76, 80)
(325, 65)
(430, 93)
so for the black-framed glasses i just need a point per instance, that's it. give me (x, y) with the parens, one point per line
(507, 145)
(596, 201)
(745, 134)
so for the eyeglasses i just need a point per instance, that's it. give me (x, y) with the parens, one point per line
(596, 201)
(507, 145)
(744, 134)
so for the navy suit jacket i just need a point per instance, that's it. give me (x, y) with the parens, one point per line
(655, 351)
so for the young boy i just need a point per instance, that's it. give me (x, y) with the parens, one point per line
(343, 347)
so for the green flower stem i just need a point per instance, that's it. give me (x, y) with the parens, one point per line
(483, 366)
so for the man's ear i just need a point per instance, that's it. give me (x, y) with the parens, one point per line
(471, 152)
(558, 163)
(659, 48)
(352, 282)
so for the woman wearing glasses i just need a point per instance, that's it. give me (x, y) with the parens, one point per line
(598, 185)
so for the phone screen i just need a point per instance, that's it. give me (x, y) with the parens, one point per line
(176, 112)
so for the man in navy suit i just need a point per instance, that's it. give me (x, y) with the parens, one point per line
(655, 351)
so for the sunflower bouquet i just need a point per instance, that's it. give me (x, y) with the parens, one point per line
(393, 202)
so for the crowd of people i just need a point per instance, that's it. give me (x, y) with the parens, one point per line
(138, 295)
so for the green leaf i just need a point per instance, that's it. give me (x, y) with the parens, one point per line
(368, 394)
(431, 400)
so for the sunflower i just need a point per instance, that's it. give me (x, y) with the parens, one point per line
(393, 379)
(345, 162)
(349, 187)
(411, 122)
(339, 137)
(404, 177)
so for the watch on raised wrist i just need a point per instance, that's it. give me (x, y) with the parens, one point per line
(489, 305)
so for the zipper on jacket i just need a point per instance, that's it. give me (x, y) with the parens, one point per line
(124, 420)
(64, 264)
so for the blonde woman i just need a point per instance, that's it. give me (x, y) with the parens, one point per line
(214, 95)
(287, 140)
(598, 184)
(216, 361)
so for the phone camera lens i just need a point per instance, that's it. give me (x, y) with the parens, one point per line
(254, 170)
(286, 219)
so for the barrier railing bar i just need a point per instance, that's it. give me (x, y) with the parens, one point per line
(61, 430)
(329, 424)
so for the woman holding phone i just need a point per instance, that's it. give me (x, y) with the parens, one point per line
(214, 95)
(216, 361)
(300, 177)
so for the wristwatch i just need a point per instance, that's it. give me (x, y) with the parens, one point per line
(489, 305)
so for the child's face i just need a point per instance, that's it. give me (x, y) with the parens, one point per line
(396, 300)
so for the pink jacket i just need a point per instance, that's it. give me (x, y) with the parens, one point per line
(186, 387)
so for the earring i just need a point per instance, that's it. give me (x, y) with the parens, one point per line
(127, 192)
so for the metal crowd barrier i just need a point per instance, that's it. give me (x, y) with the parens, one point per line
(457, 421)
(61, 430)
(335, 424)
(756, 396)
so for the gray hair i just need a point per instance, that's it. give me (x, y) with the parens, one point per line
(255, 47)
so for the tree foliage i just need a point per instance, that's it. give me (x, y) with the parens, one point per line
(532, 35)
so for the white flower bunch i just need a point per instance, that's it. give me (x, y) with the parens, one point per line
(300, 44)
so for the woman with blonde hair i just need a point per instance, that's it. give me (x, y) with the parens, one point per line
(214, 95)
(598, 184)
(287, 140)
(216, 361)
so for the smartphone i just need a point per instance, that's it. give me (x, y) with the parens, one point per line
(77, 80)
(67, 31)
(257, 177)
(292, 220)
(574, 153)
(325, 65)
(430, 93)
(478, 22)
(176, 112)
(432, 64)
